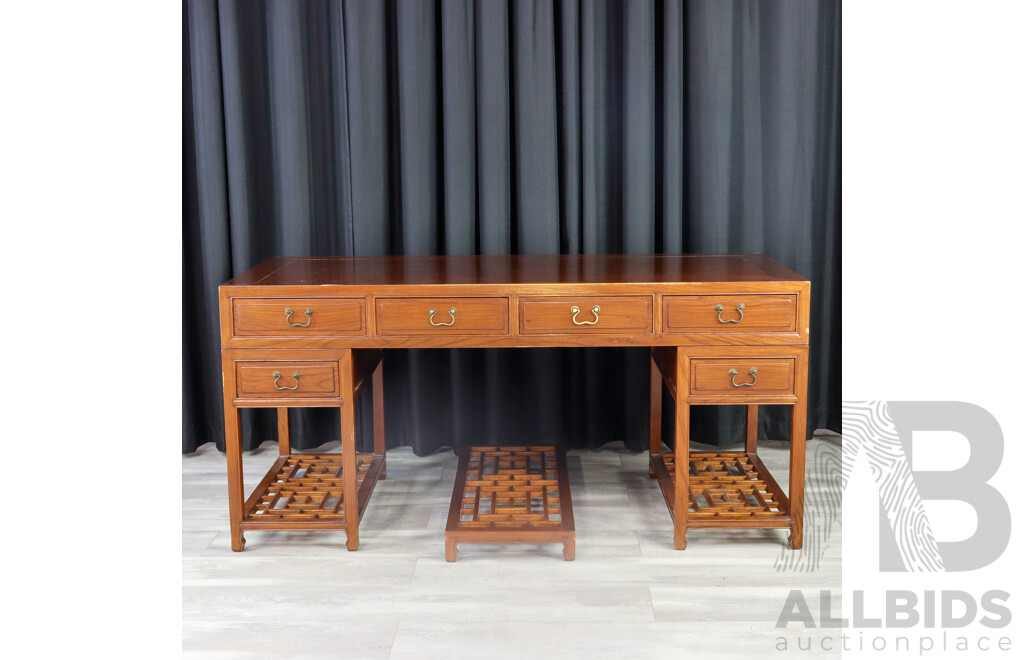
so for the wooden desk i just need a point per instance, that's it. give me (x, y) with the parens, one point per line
(724, 329)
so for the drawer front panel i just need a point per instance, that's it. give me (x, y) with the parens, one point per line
(586, 314)
(275, 380)
(298, 317)
(742, 376)
(731, 313)
(442, 316)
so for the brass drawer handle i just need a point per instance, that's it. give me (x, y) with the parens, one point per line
(288, 318)
(721, 308)
(576, 310)
(277, 376)
(734, 373)
(432, 311)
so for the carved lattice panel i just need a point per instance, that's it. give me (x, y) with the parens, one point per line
(511, 487)
(727, 486)
(307, 487)
(511, 495)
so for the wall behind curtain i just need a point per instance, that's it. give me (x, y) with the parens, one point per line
(462, 127)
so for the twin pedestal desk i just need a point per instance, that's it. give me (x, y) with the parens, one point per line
(723, 330)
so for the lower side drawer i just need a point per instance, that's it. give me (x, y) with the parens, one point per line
(743, 376)
(280, 379)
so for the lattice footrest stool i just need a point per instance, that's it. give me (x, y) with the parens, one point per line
(511, 495)
(306, 491)
(727, 489)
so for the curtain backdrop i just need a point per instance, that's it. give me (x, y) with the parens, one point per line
(463, 127)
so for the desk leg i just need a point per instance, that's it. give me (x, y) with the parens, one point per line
(752, 428)
(284, 443)
(380, 446)
(350, 486)
(233, 446)
(682, 454)
(797, 453)
(656, 388)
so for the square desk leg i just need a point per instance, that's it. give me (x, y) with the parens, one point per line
(233, 448)
(797, 457)
(682, 455)
(350, 486)
(380, 446)
(284, 438)
(656, 387)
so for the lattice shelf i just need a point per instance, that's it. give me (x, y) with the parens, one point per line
(306, 491)
(511, 495)
(727, 489)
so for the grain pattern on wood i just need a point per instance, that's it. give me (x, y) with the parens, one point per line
(797, 454)
(586, 314)
(233, 446)
(287, 379)
(516, 269)
(350, 488)
(751, 429)
(682, 453)
(730, 313)
(380, 445)
(442, 316)
(288, 317)
(655, 410)
(664, 358)
(284, 438)
(742, 377)
(778, 367)
(364, 362)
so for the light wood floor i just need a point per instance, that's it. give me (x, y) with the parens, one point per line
(629, 593)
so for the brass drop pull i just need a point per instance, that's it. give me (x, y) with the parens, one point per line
(288, 318)
(295, 376)
(432, 311)
(576, 310)
(734, 373)
(721, 308)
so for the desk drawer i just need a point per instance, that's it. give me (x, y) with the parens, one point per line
(720, 314)
(442, 316)
(742, 376)
(296, 317)
(586, 314)
(280, 379)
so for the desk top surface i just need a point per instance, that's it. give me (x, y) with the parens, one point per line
(515, 269)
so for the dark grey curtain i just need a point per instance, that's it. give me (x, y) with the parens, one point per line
(460, 127)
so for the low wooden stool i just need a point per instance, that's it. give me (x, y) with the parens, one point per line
(511, 495)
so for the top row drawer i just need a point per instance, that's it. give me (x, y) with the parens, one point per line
(728, 314)
(309, 317)
(346, 317)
